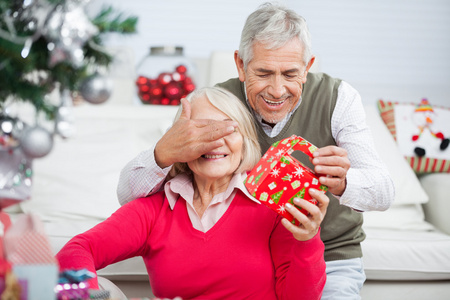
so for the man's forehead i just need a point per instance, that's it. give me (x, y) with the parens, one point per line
(271, 66)
(290, 53)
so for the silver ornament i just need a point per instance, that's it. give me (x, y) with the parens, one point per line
(64, 122)
(96, 88)
(67, 29)
(15, 177)
(65, 119)
(36, 142)
(10, 131)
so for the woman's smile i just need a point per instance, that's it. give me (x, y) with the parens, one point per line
(213, 156)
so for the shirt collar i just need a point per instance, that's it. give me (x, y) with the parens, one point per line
(181, 185)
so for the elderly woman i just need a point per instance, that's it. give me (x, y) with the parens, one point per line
(203, 236)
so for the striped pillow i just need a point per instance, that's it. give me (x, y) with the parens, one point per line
(399, 119)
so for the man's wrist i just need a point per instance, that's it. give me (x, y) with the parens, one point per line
(160, 161)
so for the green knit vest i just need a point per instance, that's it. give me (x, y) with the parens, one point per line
(341, 229)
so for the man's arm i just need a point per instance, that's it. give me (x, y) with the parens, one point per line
(140, 177)
(357, 175)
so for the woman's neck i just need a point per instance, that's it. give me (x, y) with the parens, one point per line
(206, 189)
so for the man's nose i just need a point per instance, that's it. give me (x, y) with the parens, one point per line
(277, 88)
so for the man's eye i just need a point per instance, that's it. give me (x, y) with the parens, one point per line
(263, 75)
(290, 76)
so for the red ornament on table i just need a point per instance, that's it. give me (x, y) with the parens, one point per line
(167, 88)
(173, 90)
(164, 78)
(181, 69)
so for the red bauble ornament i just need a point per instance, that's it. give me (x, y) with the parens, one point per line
(167, 88)
(155, 101)
(173, 90)
(178, 76)
(181, 69)
(156, 90)
(151, 91)
(143, 88)
(189, 87)
(142, 80)
(144, 97)
(165, 101)
(164, 78)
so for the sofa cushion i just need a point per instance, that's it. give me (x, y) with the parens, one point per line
(398, 217)
(437, 209)
(407, 186)
(404, 121)
(406, 255)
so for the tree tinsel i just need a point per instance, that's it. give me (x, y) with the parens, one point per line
(31, 78)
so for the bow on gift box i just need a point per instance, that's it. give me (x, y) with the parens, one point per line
(278, 177)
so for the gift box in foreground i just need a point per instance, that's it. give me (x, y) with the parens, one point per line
(278, 177)
(29, 252)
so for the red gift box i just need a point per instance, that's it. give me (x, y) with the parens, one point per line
(278, 177)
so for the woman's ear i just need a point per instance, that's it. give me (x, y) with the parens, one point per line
(239, 65)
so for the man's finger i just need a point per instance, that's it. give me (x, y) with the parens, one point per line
(214, 124)
(333, 170)
(185, 109)
(209, 146)
(330, 151)
(339, 161)
(211, 130)
(221, 130)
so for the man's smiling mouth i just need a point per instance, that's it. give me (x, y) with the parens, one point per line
(274, 103)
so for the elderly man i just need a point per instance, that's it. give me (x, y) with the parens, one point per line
(273, 61)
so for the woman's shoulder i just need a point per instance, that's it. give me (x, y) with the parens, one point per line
(153, 201)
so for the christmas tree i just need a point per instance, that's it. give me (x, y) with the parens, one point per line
(47, 47)
(48, 44)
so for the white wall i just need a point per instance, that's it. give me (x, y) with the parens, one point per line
(396, 50)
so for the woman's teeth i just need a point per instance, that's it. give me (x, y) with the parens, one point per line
(213, 156)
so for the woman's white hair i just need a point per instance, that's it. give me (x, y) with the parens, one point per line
(230, 105)
(273, 25)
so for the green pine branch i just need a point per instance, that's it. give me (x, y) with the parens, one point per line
(106, 23)
(14, 68)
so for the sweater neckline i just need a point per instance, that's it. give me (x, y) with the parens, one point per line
(215, 227)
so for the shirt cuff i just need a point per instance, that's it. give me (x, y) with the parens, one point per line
(147, 160)
(350, 196)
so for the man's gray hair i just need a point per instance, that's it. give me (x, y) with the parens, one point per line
(273, 25)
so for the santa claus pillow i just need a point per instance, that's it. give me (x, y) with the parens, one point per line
(422, 132)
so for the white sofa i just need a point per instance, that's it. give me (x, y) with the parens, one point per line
(406, 253)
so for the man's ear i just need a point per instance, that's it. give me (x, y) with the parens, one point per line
(310, 63)
(239, 65)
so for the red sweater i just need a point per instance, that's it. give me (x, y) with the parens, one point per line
(247, 254)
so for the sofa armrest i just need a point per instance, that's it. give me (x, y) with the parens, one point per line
(436, 210)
